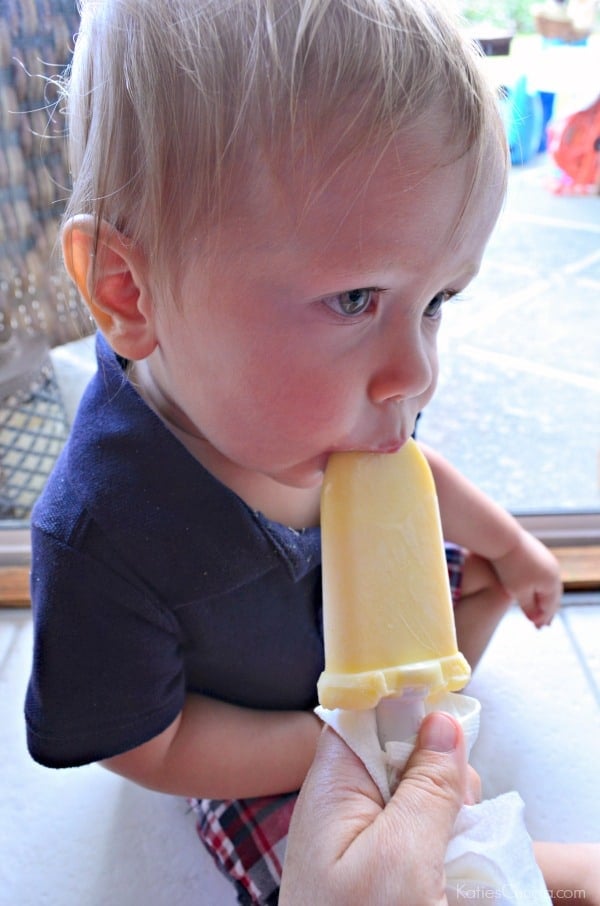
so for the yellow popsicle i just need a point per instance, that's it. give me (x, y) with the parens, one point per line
(387, 607)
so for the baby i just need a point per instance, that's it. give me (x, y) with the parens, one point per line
(273, 201)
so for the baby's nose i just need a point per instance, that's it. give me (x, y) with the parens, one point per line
(405, 373)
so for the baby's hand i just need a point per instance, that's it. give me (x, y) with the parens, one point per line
(530, 574)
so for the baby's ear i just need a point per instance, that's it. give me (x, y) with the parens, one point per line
(111, 275)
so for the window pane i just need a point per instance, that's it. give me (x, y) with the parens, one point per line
(518, 403)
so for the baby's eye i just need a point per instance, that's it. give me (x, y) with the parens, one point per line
(352, 303)
(433, 308)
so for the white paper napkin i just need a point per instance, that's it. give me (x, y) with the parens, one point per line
(490, 856)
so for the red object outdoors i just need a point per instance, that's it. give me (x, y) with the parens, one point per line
(574, 145)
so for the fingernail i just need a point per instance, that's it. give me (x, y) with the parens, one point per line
(439, 733)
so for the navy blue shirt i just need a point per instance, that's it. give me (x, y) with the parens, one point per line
(151, 579)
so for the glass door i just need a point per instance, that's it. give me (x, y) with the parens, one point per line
(518, 404)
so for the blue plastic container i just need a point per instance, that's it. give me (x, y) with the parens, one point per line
(524, 120)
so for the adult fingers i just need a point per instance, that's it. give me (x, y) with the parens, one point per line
(338, 800)
(423, 810)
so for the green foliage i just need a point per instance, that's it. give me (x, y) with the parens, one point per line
(514, 15)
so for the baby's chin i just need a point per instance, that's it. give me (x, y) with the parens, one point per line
(302, 476)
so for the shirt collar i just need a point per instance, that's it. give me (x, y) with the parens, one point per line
(157, 503)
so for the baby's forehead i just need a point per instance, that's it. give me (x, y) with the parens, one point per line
(416, 161)
(367, 201)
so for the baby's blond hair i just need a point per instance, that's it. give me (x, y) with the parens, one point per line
(171, 102)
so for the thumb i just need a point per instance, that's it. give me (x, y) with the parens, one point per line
(433, 786)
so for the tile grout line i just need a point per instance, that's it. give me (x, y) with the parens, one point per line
(17, 627)
(8, 651)
(506, 360)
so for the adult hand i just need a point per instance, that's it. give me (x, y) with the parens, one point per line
(345, 848)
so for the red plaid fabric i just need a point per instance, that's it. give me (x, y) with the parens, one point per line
(455, 558)
(246, 837)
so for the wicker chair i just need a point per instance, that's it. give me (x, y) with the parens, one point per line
(39, 306)
(36, 296)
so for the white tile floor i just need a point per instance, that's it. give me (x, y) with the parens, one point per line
(85, 837)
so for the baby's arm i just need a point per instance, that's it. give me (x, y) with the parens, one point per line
(220, 751)
(523, 566)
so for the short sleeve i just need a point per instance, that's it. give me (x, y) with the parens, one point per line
(107, 671)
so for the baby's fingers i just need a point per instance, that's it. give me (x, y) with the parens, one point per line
(540, 608)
